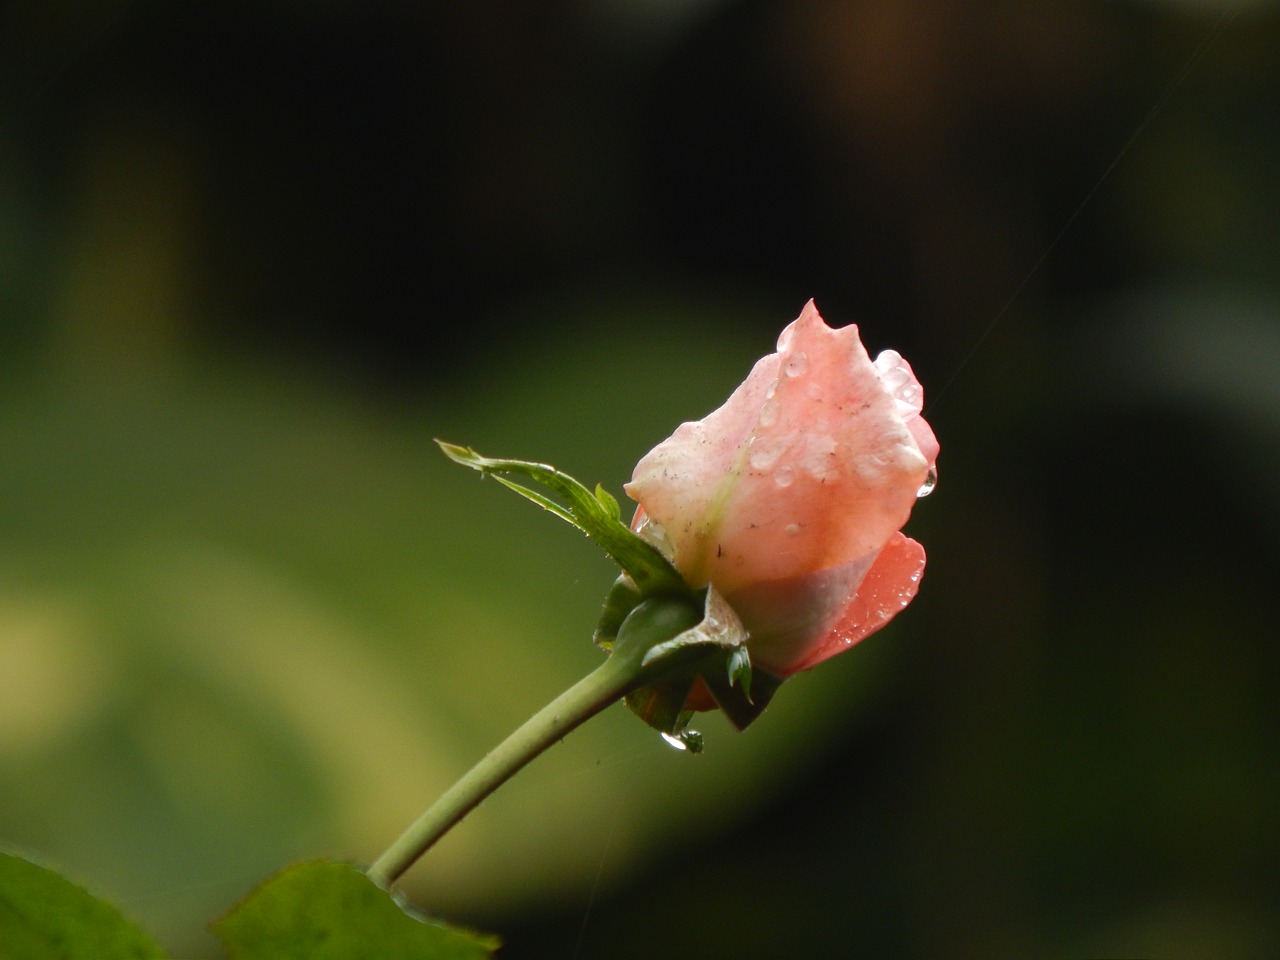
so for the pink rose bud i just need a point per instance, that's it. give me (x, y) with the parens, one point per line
(790, 498)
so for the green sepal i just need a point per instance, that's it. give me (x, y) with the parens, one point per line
(661, 624)
(738, 689)
(618, 602)
(741, 703)
(703, 649)
(595, 514)
(719, 629)
(661, 704)
(738, 669)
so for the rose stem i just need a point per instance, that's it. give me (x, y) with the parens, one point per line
(622, 671)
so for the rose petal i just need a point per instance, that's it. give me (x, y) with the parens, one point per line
(790, 497)
(889, 585)
(787, 617)
(900, 380)
(809, 465)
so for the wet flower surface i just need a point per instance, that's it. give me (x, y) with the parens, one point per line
(790, 498)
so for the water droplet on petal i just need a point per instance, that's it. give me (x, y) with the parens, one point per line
(773, 388)
(784, 476)
(769, 413)
(764, 457)
(910, 393)
(654, 534)
(892, 368)
(792, 528)
(930, 481)
(796, 364)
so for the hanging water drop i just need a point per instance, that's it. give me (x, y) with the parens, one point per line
(690, 740)
(930, 481)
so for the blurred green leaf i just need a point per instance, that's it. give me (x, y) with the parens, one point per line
(42, 914)
(325, 909)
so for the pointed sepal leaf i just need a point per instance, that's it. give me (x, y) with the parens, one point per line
(661, 704)
(741, 702)
(596, 514)
(327, 910)
(738, 669)
(44, 916)
(719, 628)
(621, 599)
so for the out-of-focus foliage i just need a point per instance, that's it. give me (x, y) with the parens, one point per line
(44, 916)
(246, 622)
(253, 257)
(327, 910)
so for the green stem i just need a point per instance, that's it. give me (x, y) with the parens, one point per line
(651, 623)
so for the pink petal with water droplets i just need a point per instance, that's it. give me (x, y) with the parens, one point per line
(784, 496)
(809, 465)
(889, 585)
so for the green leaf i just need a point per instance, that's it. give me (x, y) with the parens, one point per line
(595, 514)
(44, 915)
(326, 910)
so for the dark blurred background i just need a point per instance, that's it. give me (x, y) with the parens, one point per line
(254, 256)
